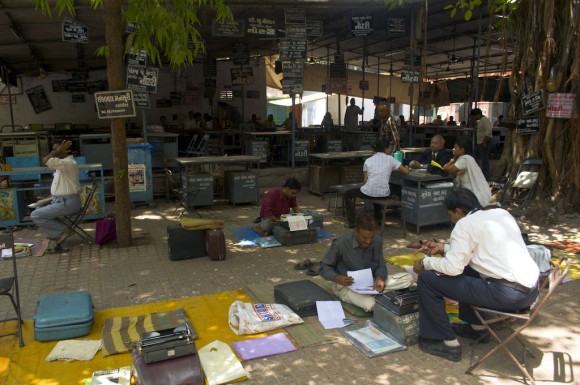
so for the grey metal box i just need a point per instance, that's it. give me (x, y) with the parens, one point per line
(241, 186)
(203, 182)
(405, 328)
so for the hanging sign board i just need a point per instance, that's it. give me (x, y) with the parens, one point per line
(74, 32)
(407, 59)
(337, 71)
(261, 26)
(532, 102)
(293, 50)
(562, 106)
(295, 15)
(115, 104)
(38, 99)
(361, 25)
(314, 28)
(138, 59)
(396, 26)
(242, 76)
(293, 69)
(528, 125)
(338, 86)
(234, 28)
(292, 86)
(409, 76)
(209, 68)
(259, 148)
(296, 31)
(142, 79)
(334, 145)
(241, 53)
(141, 99)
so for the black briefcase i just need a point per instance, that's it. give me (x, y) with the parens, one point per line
(301, 296)
(401, 302)
(185, 244)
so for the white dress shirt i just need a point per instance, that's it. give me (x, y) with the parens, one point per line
(66, 176)
(379, 168)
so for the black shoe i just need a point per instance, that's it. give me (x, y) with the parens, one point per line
(466, 331)
(438, 348)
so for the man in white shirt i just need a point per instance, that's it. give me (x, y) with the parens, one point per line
(485, 264)
(483, 139)
(65, 194)
(377, 172)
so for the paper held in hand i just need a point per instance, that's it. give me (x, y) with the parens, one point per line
(363, 281)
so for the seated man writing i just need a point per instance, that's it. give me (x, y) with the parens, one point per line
(486, 264)
(359, 249)
(435, 152)
(277, 202)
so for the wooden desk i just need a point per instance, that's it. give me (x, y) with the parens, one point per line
(334, 168)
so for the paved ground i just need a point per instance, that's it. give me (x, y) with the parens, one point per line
(143, 273)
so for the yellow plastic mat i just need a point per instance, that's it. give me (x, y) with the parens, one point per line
(27, 365)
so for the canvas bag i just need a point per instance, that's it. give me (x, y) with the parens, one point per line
(250, 318)
(106, 230)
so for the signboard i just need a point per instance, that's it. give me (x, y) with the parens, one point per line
(142, 79)
(528, 125)
(60, 85)
(115, 104)
(234, 28)
(562, 106)
(77, 86)
(367, 140)
(361, 25)
(334, 145)
(38, 99)
(74, 32)
(292, 86)
(261, 26)
(295, 15)
(314, 28)
(138, 59)
(396, 26)
(293, 50)
(209, 68)
(337, 71)
(363, 85)
(141, 99)
(242, 76)
(338, 86)
(410, 76)
(301, 150)
(259, 148)
(4, 99)
(532, 102)
(293, 70)
(78, 98)
(296, 31)
(407, 59)
(339, 57)
(241, 53)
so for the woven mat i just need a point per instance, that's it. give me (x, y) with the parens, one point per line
(567, 245)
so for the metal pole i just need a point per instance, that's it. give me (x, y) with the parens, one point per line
(478, 53)
(411, 88)
(293, 128)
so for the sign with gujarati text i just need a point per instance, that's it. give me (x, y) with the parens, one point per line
(361, 25)
(293, 70)
(115, 104)
(314, 28)
(334, 145)
(293, 50)
(410, 76)
(242, 76)
(295, 15)
(528, 125)
(74, 31)
(234, 28)
(396, 26)
(241, 53)
(142, 79)
(292, 86)
(138, 59)
(301, 150)
(562, 106)
(338, 86)
(532, 102)
(296, 31)
(141, 99)
(38, 99)
(261, 26)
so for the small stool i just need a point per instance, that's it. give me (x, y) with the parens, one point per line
(339, 191)
(185, 194)
(388, 204)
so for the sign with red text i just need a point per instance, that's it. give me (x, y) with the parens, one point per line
(561, 106)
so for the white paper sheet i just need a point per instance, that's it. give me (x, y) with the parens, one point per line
(330, 314)
(363, 281)
(297, 222)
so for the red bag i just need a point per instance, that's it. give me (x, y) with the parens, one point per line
(106, 230)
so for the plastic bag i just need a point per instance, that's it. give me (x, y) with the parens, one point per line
(220, 364)
(250, 318)
(106, 230)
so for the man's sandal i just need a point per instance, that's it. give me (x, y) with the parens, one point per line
(304, 265)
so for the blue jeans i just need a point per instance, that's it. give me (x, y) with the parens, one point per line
(47, 217)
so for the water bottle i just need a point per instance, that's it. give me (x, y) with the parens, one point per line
(398, 155)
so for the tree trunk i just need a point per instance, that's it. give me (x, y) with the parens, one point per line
(114, 38)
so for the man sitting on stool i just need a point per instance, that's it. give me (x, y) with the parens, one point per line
(65, 194)
(435, 152)
(277, 202)
(377, 171)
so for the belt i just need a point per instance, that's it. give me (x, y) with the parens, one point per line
(513, 285)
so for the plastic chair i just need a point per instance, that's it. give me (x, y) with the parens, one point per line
(74, 221)
(489, 317)
(191, 146)
(9, 287)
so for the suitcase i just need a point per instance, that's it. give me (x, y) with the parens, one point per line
(301, 296)
(63, 315)
(215, 244)
(288, 238)
(185, 244)
(404, 328)
(401, 302)
(184, 370)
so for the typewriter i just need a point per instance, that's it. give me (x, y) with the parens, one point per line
(401, 302)
(168, 343)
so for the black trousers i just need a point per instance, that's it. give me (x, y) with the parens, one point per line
(468, 289)
(349, 199)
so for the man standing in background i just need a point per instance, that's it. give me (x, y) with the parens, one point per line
(483, 138)
(351, 115)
